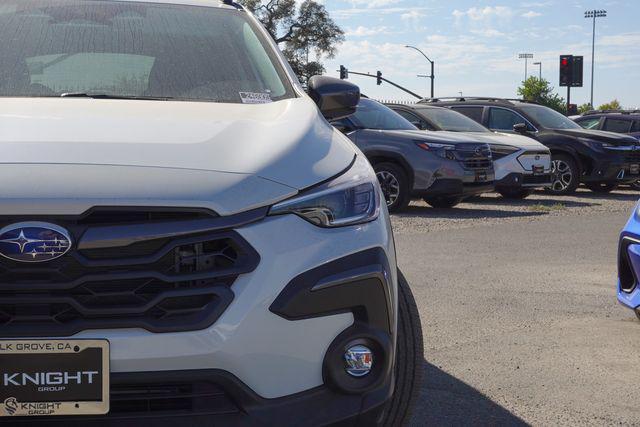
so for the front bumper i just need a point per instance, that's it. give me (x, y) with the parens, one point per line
(280, 337)
(524, 181)
(620, 165)
(628, 291)
(193, 398)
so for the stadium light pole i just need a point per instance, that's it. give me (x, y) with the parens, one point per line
(593, 14)
(540, 65)
(526, 57)
(432, 76)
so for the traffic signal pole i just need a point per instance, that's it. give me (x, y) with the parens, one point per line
(344, 72)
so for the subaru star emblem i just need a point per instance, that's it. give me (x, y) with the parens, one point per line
(34, 242)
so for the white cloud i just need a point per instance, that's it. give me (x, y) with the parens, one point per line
(531, 14)
(362, 31)
(486, 13)
(488, 32)
(373, 3)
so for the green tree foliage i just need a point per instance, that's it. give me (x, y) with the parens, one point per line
(301, 32)
(541, 91)
(613, 105)
(583, 108)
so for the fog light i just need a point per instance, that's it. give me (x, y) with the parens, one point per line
(358, 360)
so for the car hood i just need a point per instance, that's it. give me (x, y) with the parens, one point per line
(230, 157)
(518, 141)
(598, 135)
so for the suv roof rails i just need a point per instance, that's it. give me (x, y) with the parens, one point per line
(476, 98)
(592, 112)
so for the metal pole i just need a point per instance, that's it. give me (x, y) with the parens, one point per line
(568, 98)
(525, 69)
(433, 76)
(593, 59)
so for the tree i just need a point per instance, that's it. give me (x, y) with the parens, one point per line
(301, 31)
(613, 105)
(541, 91)
(583, 108)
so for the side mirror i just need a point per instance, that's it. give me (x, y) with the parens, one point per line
(335, 98)
(520, 128)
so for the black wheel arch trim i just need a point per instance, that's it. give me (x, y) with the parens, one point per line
(380, 156)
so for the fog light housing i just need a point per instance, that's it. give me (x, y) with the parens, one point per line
(358, 360)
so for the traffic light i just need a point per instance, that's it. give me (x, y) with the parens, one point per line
(566, 75)
(344, 73)
(379, 79)
(576, 71)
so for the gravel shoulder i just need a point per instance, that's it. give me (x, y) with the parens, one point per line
(520, 320)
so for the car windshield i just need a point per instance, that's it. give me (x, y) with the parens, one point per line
(135, 49)
(373, 115)
(548, 118)
(446, 119)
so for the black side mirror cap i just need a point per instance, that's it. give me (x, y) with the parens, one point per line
(335, 98)
(520, 128)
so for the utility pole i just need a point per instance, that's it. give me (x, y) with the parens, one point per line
(432, 76)
(526, 57)
(593, 14)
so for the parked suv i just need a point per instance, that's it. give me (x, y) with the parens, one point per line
(521, 164)
(441, 168)
(618, 121)
(601, 160)
(184, 239)
(628, 288)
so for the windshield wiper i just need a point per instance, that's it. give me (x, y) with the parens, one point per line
(108, 96)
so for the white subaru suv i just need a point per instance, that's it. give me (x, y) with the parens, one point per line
(184, 238)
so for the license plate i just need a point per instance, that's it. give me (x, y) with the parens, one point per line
(538, 170)
(54, 377)
(481, 176)
(634, 169)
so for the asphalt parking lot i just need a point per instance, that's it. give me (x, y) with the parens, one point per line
(518, 305)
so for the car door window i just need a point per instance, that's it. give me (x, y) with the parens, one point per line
(636, 126)
(503, 119)
(591, 123)
(415, 120)
(617, 125)
(474, 113)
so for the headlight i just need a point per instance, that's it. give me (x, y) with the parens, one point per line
(352, 198)
(597, 145)
(446, 151)
(500, 151)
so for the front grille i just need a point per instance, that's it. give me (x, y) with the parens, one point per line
(474, 156)
(174, 283)
(632, 156)
(187, 398)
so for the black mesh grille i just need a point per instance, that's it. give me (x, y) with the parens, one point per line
(633, 156)
(170, 285)
(536, 179)
(625, 270)
(474, 156)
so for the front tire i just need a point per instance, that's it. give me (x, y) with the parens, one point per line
(395, 185)
(443, 202)
(565, 175)
(599, 187)
(409, 364)
(515, 194)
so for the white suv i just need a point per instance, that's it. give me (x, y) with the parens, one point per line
(185, 239)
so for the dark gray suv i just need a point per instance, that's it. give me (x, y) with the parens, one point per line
(442, 168)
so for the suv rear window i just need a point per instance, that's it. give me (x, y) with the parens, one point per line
(52, 47)
(617, 125)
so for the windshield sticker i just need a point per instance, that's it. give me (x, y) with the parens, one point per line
(255, 98)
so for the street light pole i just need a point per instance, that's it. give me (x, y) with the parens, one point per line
(432, 76)
(526, 57)
(540, 65)
(594, 14)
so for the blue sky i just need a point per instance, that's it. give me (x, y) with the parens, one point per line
(475, 45)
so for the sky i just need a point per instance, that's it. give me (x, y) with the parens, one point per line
(475, 45)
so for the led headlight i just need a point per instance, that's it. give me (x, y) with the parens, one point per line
(352, 198)
(499, 151)
(446, 151)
